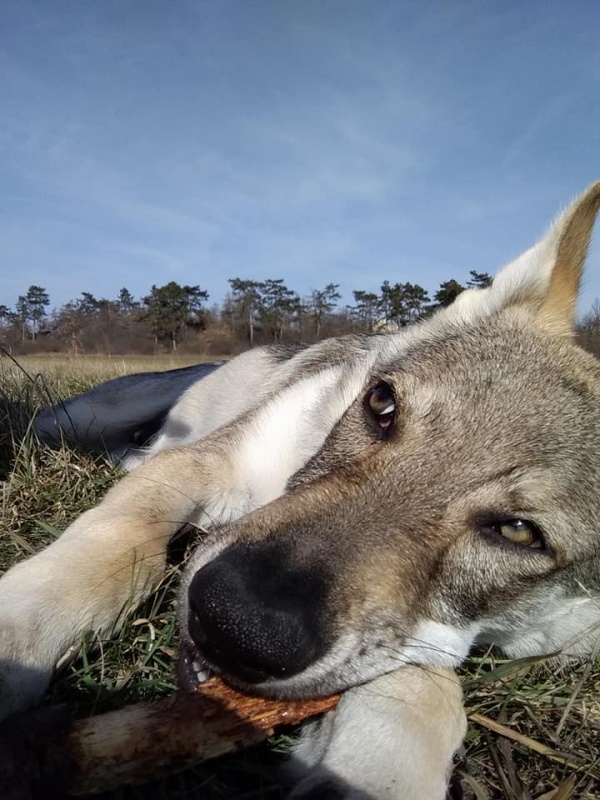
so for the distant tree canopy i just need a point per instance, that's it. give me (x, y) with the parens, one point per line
(402, 303)
(171, 308)
(244, 305)
(31, 308)
(267, 305)
(125, 302)
(173, 316)
(322, 303)
(365, 309)
(479, 280)
(447, 293)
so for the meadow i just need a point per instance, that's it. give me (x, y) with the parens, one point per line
(534, 727)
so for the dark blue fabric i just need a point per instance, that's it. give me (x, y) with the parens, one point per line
(120, 414)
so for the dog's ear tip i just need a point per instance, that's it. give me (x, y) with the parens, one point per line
(545, 280)
(588, 201)
(574, 229)
(595, 186)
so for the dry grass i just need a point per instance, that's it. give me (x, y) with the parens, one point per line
(535, 727)
(95, 368)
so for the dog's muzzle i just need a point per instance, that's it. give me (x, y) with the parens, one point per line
(254, 617)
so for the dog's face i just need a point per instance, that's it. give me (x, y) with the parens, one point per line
(454, 500)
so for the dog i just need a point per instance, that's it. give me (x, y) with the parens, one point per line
(378, 505)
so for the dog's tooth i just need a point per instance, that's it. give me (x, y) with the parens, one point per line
(200, 671)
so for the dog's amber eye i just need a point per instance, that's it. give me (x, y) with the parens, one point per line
(518, 531)
(381, 403)
(521, 532)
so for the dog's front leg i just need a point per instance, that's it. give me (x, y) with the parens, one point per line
(391, 739)
(105, 562)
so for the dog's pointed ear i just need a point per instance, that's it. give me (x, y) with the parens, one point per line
(546, 278)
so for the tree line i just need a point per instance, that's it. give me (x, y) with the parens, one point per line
(179, 317)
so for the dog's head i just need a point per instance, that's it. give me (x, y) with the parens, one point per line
(455, 499)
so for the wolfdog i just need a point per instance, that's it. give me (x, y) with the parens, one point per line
(378, 506)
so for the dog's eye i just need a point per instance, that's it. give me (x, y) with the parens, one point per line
(381, 403)
(518, 531)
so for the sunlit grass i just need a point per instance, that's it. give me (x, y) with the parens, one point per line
(95, 367)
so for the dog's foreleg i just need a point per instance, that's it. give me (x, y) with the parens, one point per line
(107, 561)
(391, 739)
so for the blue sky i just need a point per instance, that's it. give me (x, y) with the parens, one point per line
(143, 141)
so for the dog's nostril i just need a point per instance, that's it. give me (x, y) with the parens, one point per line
(254, 617)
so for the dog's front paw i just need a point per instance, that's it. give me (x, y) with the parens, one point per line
(388, 740)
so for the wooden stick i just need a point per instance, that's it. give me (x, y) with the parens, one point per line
(143, 742)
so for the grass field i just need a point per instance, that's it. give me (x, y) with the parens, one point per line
(92, 368)
(535, 727)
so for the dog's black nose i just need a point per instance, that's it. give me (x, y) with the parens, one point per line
(256, 617)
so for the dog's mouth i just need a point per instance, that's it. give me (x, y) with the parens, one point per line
(194, 669)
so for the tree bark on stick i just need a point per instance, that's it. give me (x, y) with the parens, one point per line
(147, 741)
